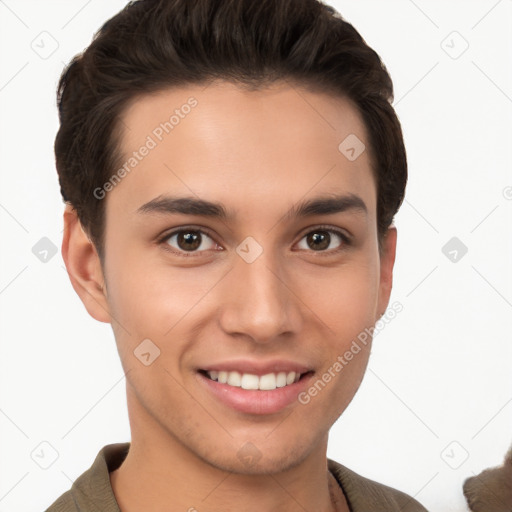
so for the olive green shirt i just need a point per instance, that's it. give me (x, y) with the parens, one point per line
(92, 491)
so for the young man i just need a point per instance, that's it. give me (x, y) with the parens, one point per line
(231, 170)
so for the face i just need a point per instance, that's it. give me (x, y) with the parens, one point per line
(241, 251)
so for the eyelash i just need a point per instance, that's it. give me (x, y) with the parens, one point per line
(346, 240)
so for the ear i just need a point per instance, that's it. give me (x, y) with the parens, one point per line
(387, 261)
(84, 267)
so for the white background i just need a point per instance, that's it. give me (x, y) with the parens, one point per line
(438, 390)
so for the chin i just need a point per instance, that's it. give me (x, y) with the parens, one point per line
(258, 458)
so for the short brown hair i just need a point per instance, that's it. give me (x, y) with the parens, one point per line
(152, 45)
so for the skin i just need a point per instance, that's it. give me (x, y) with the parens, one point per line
(259, 153)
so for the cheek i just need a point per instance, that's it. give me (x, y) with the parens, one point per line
(345, 299)
(346, 303)
(154, 301)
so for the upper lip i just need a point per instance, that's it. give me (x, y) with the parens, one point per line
(257, 367)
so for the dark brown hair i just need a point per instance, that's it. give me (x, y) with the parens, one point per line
(152, 45)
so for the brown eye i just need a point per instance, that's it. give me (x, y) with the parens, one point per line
(189, 240)
(319, 240)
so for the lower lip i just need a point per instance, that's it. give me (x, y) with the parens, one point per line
(253, 401)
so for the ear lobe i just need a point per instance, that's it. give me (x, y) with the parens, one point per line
(387, 261)
(84, 267)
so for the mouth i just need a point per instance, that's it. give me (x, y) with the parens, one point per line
(251, 381)
(255, 390)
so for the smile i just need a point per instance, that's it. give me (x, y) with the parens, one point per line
(266, 382)
(255, 391)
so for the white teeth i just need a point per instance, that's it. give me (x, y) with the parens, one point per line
(266, 382)
(281, 379)
(234, 379)
(249, 381)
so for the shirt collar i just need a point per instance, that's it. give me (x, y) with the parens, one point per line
(93, 490)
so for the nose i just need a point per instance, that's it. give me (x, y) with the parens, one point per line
(258, 301)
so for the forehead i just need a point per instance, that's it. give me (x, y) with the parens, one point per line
(221, 142)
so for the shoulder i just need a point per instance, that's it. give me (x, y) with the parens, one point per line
(364, 494)
(92, 491)
(65, 503)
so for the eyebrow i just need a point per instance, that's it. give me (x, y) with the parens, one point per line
(328, 205)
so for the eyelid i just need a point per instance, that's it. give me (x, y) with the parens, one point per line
(345, 237)
(326, 227)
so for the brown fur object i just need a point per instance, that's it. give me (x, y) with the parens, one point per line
(491, 490)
